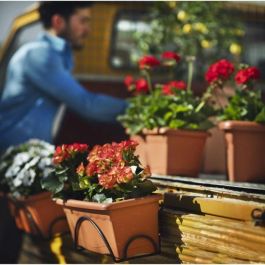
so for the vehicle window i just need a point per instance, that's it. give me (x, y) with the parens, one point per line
(26, 34)
(254, 45)
(124, 51)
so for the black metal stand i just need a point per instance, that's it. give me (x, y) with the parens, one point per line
(33, 226)
(129, 241)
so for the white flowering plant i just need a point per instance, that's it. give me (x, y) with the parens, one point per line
(22, 167)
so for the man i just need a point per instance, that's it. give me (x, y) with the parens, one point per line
(38, 83)
(39, 79)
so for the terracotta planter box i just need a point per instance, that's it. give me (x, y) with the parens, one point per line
(175, 152)
(38, 215)
(245, 150)
(141, 148)
(119, 222)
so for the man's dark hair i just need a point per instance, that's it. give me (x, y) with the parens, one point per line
(64, 8)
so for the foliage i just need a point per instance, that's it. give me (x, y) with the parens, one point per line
(107, 173)
(23, 166)
(201, 29)
(66, 158)
(246, 102)
(171, 104)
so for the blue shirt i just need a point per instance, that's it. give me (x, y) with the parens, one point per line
(38, 81)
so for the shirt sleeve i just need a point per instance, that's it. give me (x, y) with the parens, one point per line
(46, 71)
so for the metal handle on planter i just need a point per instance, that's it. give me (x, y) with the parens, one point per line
(77, 227)
(55, 221)
(20, 205)
(37, 232)
(129, 241)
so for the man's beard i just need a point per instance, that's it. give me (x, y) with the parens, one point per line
(66, 34)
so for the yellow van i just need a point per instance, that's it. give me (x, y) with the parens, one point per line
(109, 55)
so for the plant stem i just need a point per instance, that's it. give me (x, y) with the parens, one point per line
(219, 102)
(148, 79)
(205, 98)
(190, 60)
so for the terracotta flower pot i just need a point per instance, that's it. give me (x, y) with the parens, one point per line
(141, 148)
(119, 222)
(38, 215)
(245, 150)
(175, 152)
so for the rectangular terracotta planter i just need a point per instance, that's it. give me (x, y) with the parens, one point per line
(38, 215)
(118, 222)
(245, 150)
(175, 152)
(141, 148)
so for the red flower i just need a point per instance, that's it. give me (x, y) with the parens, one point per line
(148, 61)
(168, 89)
(129, 144)
(65, 151)
(169, 55)
(220, 70)
(124, 175)
(141, 85)
(107, 181)
(81, 170)
(243, 76)
(128, 81)
(108, 163)
(75, 148)
(60, 154)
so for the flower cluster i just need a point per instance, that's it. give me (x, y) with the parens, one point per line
(223, 70)
(108, 163)
(149, 62)
(219, 71)
(64, 180)
(246, 102)
(23, 167)
(64, 152)
(202, 30)
(106, 173)
(246, 75)
(170, 103)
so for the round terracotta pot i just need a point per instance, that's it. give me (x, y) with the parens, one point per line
(38, 215)
(118, 221)
(175, 152)
(245, 150)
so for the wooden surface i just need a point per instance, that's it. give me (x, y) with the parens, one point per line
(201, 221)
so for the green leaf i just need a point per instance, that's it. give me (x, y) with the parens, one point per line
(99, 198)
(52, 184)
(146, 187)
(174, 124)
(261, 116)
(84, 183)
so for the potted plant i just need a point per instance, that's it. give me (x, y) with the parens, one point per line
(105, 194)
(21, 169)
(242, 120)
(202, 30)
(173, 121)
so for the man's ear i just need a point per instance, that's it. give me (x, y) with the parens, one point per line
(58, 23)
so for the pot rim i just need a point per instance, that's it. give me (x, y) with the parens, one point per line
(31, 198)
(169, 131)
(71, 203)
(241, 126)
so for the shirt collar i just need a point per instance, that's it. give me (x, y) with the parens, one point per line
(57, 43)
